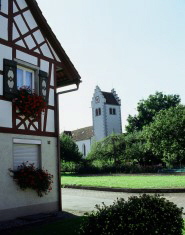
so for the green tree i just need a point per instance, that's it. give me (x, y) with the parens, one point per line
(148, 108)
(165, 136)
(69, 151)
(136, 150)
(109, 149)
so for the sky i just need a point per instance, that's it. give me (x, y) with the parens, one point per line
(136, 47)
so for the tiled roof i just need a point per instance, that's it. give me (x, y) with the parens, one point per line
(110, 99)
(82, 133)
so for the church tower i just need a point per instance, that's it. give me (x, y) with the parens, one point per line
(106, 112)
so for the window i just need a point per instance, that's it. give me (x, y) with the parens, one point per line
(84, 150)
(98, 112)
(112, 111)
(25, 77)
(19, 73)
(26, 151)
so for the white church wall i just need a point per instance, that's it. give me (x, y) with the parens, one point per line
(113, 122)
(84, 143)
(98, 121)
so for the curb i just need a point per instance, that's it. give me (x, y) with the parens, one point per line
(128, 190)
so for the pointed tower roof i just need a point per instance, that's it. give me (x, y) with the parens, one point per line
(110, 99)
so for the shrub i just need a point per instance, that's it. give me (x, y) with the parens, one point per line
(27, 176)
(145, 215)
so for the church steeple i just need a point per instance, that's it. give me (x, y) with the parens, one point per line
(106, 113)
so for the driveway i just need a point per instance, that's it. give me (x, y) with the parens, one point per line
(79, 201)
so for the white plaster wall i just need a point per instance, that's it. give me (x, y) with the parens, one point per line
(51, 97)
(22, 4)
(38, 36)
(52, 76)
(4, 32)
(30, 20)
(30, 42)
(21, 43)
(113, 122)
(46, 52)
(21, 24)
(6, 114)
(56, 56)
(5, 53)
(4, 6)
(15, 32)
(11, 196)
(15, 9)
(42, 120)
(26, 57)
(50, 121)
(44, 66)
(87, 145)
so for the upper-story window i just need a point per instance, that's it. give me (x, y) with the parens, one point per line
(112, 111)
(98, 112)
(25, 77)
(18, 73)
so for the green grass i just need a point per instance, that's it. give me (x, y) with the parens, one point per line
(127, 181)
(63, 227)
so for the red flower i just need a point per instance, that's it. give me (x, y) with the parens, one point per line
(29, 104)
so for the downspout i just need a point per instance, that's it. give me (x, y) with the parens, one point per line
(58, 145)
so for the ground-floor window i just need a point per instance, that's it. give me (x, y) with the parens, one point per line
(26, 151)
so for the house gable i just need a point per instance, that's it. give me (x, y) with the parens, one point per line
(30, 42)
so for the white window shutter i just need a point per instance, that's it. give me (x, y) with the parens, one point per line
(26, 152)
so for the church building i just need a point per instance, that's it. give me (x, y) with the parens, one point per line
(106, 115)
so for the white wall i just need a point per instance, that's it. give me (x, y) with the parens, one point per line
(4, 6)
(11, 196)
(6, 114)
(113, 122)
(87, 144)
(105, 124)
(98, 121)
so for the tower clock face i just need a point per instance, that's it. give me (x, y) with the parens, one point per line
(97, 99)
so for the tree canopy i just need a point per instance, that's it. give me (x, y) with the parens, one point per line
(165, 136)
(109, 149)
(69, 151)
(147, 109)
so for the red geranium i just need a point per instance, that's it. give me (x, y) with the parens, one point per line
(28, 103)
(28, 176)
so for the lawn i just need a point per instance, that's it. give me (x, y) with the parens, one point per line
(126, 181)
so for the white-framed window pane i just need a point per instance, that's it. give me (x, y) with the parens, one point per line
(26, 153)
(28, 79)
(19, 78)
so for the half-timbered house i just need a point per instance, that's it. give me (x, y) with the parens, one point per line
(30, 55)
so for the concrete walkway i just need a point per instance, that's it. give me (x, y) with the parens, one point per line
(79, 201)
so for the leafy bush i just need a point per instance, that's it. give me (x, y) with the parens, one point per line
(27, 176)
(88, 167)
(68, 166)
(145, 215)
(69, 151)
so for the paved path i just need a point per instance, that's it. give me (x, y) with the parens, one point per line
(79, 201)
